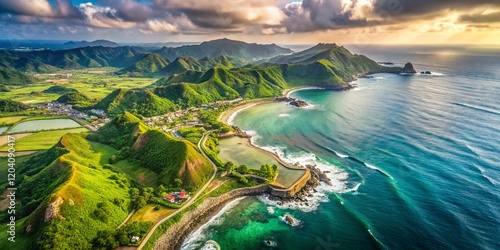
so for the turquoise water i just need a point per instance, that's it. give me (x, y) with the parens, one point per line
(44, 125)
(415, 160)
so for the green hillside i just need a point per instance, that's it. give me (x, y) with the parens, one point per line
(59, 90)
(13, 77)
(150, 149)
(69, 193)
(149, 64)
(237, 50)
(171, 159)
(63, 191)
(75, 99)
(137, 101)
(183, 64)
(12, 106)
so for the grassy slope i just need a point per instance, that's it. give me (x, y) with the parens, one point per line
(149, 64)
(156, 151)
(137, 101)
(172, 158)
(78, 178)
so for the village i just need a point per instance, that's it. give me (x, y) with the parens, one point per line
(185, 117)
(96, 117)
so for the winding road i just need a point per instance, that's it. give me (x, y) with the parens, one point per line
(190, 201)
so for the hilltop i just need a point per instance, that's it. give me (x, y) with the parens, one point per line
(137, 101)
(79, 188)
(238, 50)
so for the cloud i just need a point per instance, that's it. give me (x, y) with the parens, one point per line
(481, 18)
(129, 10)
(225, 14)
(40, 8)
(261, 17)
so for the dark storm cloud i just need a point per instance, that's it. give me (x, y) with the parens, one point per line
(250, 16)
(481, 18)
(414, 8)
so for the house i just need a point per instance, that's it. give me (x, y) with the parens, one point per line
(183, 194)
(134, 239)
(169, 197)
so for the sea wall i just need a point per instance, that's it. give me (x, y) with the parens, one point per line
(294, 189)
(173, 237)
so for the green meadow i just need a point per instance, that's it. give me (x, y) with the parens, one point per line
(94, 83)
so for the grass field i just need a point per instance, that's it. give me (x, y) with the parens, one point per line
(95, 83)
(41, 140)
(144, 176)
(148, 213)
(11, 120)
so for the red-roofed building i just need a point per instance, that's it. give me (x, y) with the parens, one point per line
(169, 197)
(183, 194)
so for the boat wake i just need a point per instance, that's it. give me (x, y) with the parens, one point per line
(283, 115)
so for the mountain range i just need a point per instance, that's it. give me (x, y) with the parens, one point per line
(196, 74)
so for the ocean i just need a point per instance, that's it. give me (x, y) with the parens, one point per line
(414, 160)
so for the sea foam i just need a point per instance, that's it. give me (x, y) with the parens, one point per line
(196, 238)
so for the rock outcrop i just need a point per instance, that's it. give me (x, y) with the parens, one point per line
(52, 210)
(292, 101)
(299, 103)
(289, 220)
(409, 69)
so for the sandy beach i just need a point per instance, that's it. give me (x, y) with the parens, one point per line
(227, 116)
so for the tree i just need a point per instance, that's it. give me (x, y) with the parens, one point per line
(134, 192)
(160, 190)
(243, 169)
(140, 202)
(229, 166)
(178, 182)
(243, 179)
(112, 159)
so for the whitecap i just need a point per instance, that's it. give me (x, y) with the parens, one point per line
(341, 155)
(359, 89)
(270, 210)
(296, 221)
(378, 169)
(283, 115)
(192, 241)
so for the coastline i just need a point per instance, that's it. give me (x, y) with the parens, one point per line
(190, 222)
(227, 116)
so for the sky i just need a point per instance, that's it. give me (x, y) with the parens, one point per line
(262, 21)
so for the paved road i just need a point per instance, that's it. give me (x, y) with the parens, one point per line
(190, 201)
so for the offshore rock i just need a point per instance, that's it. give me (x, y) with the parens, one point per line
(409, 69)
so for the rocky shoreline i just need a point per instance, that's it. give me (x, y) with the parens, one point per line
(292, 101)
(317, 176)
(177, 233)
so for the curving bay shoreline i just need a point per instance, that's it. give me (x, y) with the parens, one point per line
(192, 220)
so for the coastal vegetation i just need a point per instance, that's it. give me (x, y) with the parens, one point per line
(77, 190)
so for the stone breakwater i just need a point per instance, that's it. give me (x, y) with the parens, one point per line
(173, 237)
